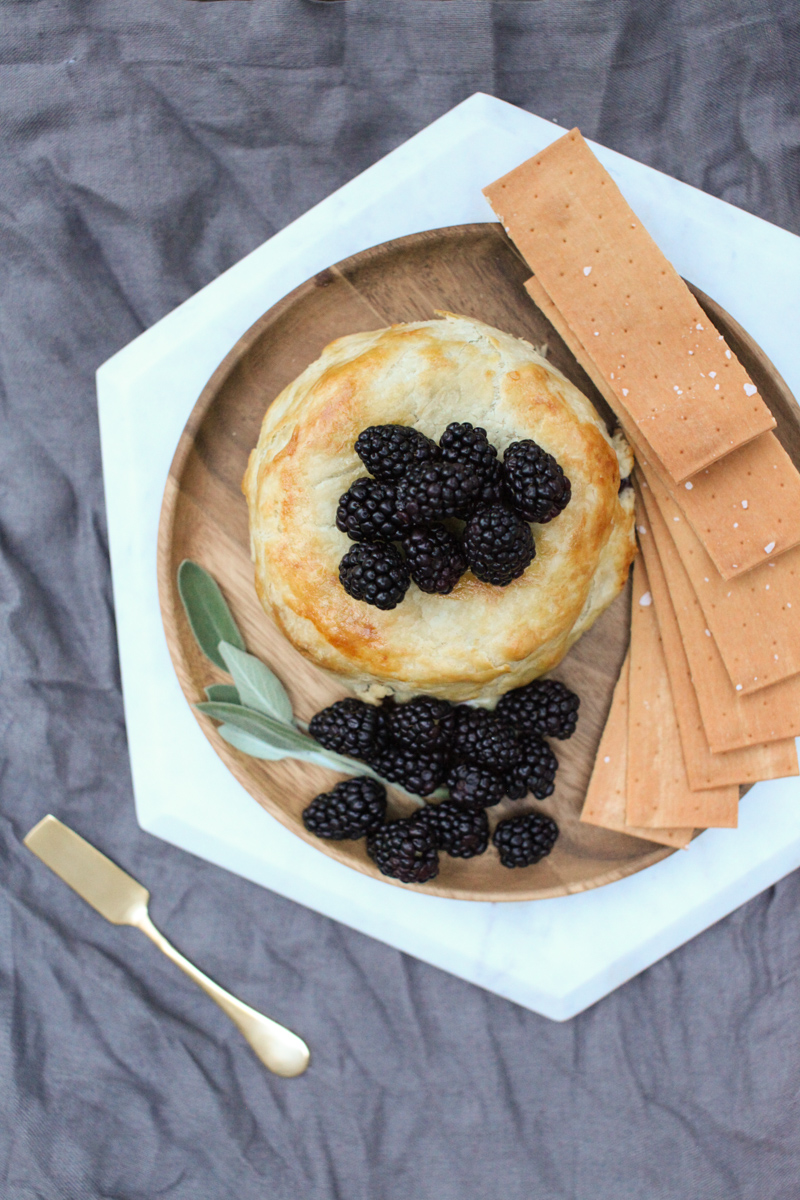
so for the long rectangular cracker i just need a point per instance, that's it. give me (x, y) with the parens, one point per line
(658, 791)
(744, 509)
(731, 719)
(704, 769)
(605, 797)
(755, 620)
(761, 473)
(649, 336)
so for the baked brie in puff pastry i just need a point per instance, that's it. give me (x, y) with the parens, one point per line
(480, 640)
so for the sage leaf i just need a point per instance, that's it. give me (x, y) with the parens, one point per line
(210, 618)
(259, 725)
(257, 748)
(222, 693)
(338, 762)
(257, 685)
(261, 736)
(252, 746)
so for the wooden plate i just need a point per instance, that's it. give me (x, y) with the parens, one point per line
(469, 269)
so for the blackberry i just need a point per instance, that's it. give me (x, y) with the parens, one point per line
(375, 572)
(474, 785)
(545, 707)
(460, 829)
(435, 558)
(405, 849)
(534, 772)
(420, 773)
(498, 545)
(537, 487)
(525, 840)
(388, 451)
(437, 489)
(367, 512)
(461, 442)
(422, 724)
(493, 488)
(352, 809)
(484, 739)
(349, 727)
(467, 444)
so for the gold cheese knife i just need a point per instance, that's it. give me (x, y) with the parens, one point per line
(123, 901)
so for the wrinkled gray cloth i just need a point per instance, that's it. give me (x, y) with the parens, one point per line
(144, 148)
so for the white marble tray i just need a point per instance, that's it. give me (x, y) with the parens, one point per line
(553, 956)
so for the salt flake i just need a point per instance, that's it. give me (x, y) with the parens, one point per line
(646, 600)
(607, 758)
(770, 546)
(712, 374)
(744, 504)
(750, 389)
(587, 270)
(688, 485)
(624, 391)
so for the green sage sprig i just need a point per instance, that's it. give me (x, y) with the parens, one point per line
(210, 618)
(255, 712)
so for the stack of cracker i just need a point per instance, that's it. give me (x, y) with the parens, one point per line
(709, 696)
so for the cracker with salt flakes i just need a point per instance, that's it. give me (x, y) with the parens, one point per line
(658, 791)
(705, 769)
(731, 719)
(605, 801)
(650, 339)
(744, 508)
(755, 620)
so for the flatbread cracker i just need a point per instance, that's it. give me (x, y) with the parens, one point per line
(731, 719)
(605, 797)
(658, 791)
(755, 620)
(761, 474)
(704, 769)
(670, 370)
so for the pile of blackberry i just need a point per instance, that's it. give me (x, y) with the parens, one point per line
(432, 511)
(427, 743)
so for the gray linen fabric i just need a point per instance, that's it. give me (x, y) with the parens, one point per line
(145, 147)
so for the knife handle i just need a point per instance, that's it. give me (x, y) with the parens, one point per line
(280, 1050)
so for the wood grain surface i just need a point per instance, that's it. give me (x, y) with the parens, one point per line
(469, 269)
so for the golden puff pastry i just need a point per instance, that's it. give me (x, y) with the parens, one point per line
(480, 640)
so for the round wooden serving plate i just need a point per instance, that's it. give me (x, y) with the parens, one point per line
(469, 269)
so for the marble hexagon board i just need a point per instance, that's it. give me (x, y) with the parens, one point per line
(555, 956)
